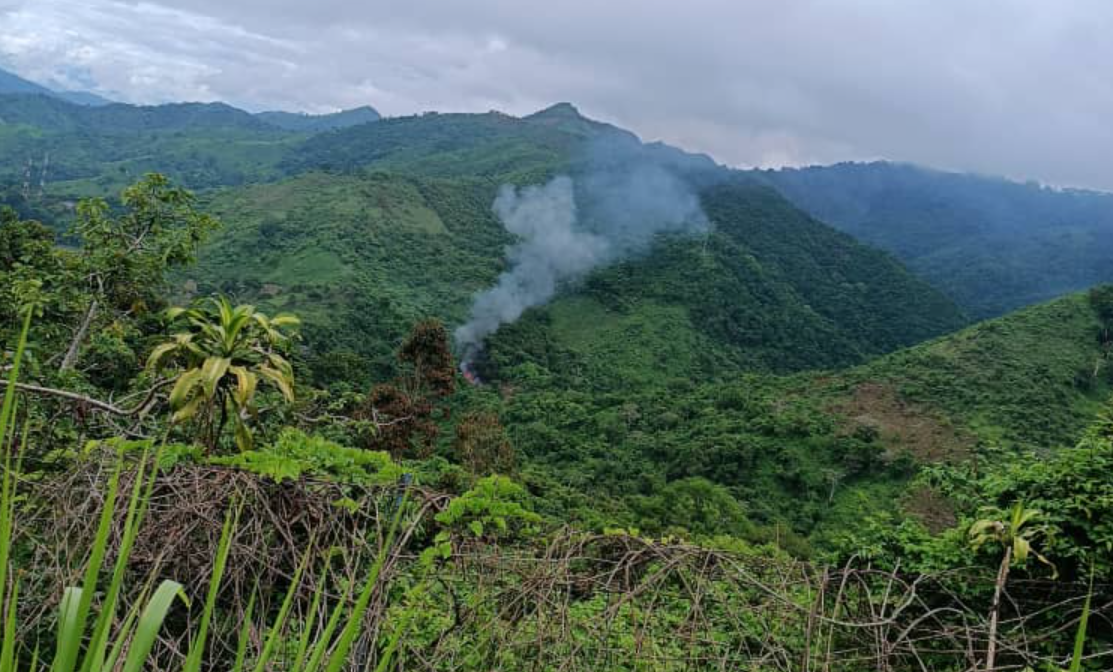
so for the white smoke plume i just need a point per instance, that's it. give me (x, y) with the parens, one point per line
(566, 229)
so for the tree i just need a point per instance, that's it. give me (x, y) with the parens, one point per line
(222, 355)
(482, 446)
(428, 357)
(404, 411)
(124, 258)
(1015, 536)
(33, 271)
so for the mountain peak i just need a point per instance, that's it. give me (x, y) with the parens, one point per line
(301, 121)
(566, 117)
(563, 110)
(12, 83)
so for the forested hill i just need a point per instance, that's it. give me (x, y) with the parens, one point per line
(70, 151)
(315, 123)
(392, 222)
(771, 289)
(990, 244)
(814, 450)
(368, 227)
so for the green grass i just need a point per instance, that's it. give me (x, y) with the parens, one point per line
(639, 347)
(92, 633)
(1023, 379)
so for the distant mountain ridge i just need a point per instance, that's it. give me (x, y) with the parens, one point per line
(51, 113)
(991, 244)
(988, 244)
(13, 83)
(314, 123)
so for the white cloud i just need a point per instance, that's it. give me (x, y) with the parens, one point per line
(1013, 87)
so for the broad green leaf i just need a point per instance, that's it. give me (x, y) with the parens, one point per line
(184, 387)
(282, 382)
(244, 440)
(188, 411)
(150, 622)
(161, 351)
(246, 382)
(71, 625)
(212, 371)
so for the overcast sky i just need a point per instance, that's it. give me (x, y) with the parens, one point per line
(1021, 88)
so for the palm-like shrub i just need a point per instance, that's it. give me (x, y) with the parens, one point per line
(1014, 533)
(219, 359)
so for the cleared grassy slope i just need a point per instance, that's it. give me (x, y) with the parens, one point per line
(1024, 379)
(359, 257)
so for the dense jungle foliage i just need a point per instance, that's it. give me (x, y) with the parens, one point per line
(764, 447)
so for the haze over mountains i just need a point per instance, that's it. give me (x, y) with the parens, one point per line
(990, 244)
(12, 83)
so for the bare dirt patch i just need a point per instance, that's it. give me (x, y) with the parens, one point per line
(901, 426)
(935, 511)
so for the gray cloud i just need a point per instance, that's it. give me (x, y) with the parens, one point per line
(1016, 87)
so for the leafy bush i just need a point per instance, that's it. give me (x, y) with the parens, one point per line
(295, 454)
(495, 507)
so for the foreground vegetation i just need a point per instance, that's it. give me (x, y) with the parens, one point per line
(375, 572)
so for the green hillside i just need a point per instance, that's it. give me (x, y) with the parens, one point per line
(804, 450)
(686, 367)
(360, 257)
(691, 433)
(374, 252)
(65, 151)
(769, 290)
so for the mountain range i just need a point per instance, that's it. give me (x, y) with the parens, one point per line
(803, 354)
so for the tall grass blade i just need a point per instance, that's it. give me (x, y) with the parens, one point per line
(245, 634)
(310, 622)
(1080, 636)
(98, 642)
(197, 647)
(7, 480)
(355, 619)
(70, 629)
(7, 650)
(150, 622)
(320, 647)
(65, 658)
(275, 633)
(122, 638)
(133, 520)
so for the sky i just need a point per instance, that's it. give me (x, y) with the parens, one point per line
(1019, 88)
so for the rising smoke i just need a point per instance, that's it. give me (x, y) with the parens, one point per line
(567, 227)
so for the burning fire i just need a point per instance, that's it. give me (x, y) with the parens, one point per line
(470, 375)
